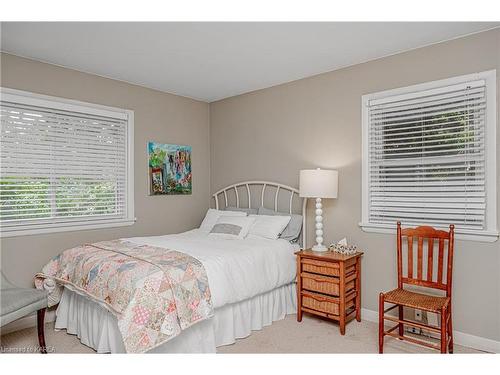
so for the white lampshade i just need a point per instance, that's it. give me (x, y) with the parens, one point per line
(318, 183)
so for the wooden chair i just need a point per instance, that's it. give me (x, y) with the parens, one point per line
(401, 297)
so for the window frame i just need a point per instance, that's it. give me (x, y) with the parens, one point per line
(490, 233)
(75, 224)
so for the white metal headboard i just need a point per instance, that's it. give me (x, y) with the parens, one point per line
(279, 187)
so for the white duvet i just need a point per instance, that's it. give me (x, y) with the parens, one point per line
(236, 269)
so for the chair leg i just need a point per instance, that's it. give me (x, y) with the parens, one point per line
(443, 330)
(450, 331)
(40, 315)
(401, 325)
(381, 323)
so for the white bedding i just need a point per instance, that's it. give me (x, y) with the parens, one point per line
(236, 269)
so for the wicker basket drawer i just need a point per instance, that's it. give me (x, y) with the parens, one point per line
(324, 268)
(320, 267)
(320, 303)
(322, 284)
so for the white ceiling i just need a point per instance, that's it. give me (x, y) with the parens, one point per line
(212, 61)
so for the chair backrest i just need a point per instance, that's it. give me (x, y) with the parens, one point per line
(438, 272)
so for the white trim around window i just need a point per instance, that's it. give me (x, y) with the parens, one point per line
(429, 157)
(65, 165)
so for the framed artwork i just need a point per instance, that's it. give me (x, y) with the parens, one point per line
(169, 169)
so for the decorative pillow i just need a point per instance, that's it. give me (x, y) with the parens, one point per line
(212, 216)
(249, 211)
(294, 227)
(268, 226)
(233, 227)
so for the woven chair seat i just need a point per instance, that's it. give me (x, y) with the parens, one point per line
(415, 300)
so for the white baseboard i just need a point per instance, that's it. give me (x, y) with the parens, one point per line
(460, 338)
(27, 322)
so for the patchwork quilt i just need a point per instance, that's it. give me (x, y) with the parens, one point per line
(154, 292)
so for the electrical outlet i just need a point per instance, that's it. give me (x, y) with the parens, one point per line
(414, 330)
(432, 319)
(418, 315)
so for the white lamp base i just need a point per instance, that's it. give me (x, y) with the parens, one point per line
(319, 247)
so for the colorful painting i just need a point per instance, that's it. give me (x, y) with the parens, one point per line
(169, 169)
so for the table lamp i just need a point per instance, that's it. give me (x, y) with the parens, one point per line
(318, 183)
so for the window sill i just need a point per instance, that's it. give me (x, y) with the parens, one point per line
(28, 230)
(460, 234)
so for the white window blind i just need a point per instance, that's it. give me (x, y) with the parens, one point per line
(427, 154)
(62, 166)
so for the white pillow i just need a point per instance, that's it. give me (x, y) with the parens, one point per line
(233, 227)
(268, 226)
(212, 216)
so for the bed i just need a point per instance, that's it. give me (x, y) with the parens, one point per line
(241, 301)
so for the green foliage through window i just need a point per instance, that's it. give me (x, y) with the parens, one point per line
(38, 198)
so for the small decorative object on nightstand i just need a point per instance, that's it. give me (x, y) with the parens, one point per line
(318, 183)
(329, 285)
(342, 247)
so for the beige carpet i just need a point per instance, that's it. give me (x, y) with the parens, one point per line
(312, 335)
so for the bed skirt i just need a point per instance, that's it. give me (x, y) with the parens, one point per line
(97, 328)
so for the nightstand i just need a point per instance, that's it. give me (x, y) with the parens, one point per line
(329, 285)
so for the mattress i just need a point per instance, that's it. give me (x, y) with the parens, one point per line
(251, 282)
